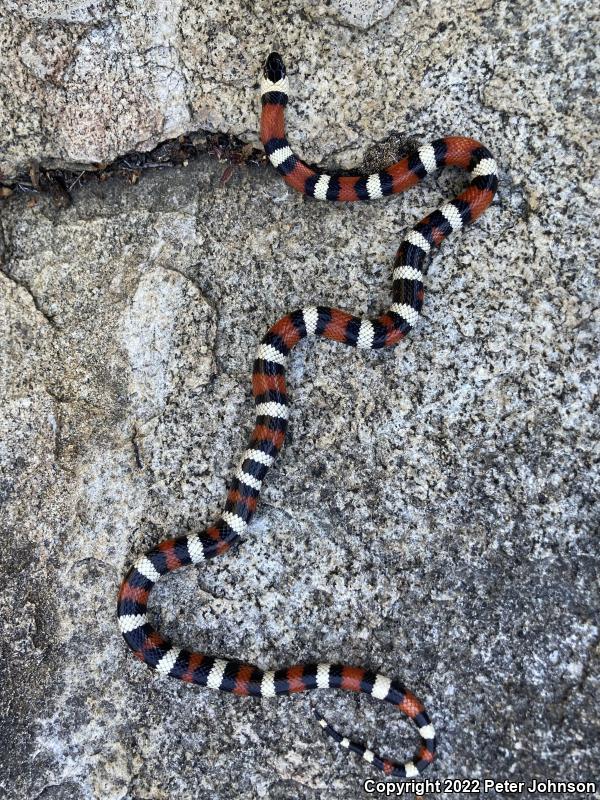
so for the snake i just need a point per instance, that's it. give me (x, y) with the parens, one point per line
(168, 658)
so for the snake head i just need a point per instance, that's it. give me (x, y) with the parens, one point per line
(274, 69)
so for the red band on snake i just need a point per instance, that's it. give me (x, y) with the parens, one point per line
(272, 410)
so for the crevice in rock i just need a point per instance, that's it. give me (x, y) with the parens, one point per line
(60, 180)
(136, 447)
(25, 286)
(19, 282)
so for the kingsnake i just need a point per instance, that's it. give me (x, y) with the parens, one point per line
(272, 409)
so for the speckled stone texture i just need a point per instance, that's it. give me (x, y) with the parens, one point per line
(87, 80)
(434, 512)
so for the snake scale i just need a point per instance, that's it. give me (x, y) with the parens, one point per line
(272, 410)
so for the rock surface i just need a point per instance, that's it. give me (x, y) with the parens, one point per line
(87, 80)
(434, 513)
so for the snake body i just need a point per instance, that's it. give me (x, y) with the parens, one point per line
(272, 410)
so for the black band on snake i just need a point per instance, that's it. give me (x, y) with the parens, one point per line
(272, 410)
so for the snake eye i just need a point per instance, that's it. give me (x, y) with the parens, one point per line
(274, 69)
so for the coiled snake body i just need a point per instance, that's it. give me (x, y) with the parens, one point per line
(272, 409)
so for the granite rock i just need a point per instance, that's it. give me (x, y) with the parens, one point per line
(434, 512)
(87, 81)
